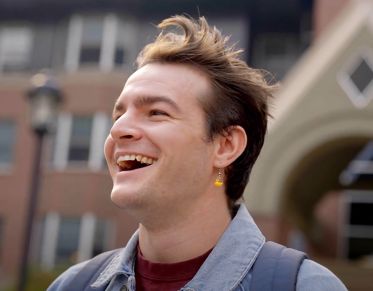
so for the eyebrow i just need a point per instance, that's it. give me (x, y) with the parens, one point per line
(147, 100)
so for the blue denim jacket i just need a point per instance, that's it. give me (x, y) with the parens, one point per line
(228, 264)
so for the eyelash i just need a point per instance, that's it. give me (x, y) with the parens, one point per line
(154, 112)
(158, 112)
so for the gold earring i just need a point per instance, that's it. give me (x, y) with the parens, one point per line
(219, 179)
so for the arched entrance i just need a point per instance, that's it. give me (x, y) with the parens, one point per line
(315, 176)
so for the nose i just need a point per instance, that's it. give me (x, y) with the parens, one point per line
(126, 128)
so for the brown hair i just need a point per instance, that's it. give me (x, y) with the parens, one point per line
(239, 93)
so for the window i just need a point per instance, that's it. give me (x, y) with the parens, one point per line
(68, 240)
(276, 52)
(356, 77)
(80, 138)
(362, 75)
(15, 48)
(79, 141)
(91, 40)
(101, 237)
(7, 141)
(358, 228)
(98, 40)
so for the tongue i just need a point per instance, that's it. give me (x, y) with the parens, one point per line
(131, 165)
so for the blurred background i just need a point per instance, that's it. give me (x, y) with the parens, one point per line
(311, 189)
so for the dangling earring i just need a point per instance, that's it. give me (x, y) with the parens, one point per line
(219, 179)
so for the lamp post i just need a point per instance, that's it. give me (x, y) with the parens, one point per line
(44, 97)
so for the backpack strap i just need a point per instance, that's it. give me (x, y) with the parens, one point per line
(276, 268)
(91, 271)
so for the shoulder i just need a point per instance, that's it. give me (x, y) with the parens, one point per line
(313, 276)
(65, 278)
(87, 270)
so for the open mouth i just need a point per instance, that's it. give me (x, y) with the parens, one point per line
(133, 162)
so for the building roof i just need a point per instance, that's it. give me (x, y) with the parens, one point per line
(287, 11)
(320, 56)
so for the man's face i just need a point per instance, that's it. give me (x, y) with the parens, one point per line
(157, 150)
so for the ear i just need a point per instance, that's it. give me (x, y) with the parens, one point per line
(229, 146)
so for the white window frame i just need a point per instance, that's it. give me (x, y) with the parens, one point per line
(108, 43)
(49, 240)
(75, 31)
(353, 231)
(359, 99)
(88, 224)
(99, 132)
(86, 237)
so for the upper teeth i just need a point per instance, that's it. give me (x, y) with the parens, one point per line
(140, 158)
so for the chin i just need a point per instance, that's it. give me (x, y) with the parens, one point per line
(125, 200)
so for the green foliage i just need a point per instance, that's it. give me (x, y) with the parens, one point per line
(39, 279)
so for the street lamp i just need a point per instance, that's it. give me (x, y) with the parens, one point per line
(44, 97)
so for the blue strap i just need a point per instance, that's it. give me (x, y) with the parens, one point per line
(276, 268)
(90, 272)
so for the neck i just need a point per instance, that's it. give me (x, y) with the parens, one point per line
(188, 236)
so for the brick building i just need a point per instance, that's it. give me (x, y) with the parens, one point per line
(91, 47)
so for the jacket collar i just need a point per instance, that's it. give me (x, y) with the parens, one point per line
(225, 267)
(232, 257)
(122, 263)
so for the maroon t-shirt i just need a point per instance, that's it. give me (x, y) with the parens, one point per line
(166, 277)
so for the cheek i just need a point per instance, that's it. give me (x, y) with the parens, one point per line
(108, 147)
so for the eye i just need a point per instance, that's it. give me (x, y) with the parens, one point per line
(115, 117)
(157, 112)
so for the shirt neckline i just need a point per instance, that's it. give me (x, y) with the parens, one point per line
(168, 272)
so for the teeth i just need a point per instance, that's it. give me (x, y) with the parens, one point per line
(140, 158)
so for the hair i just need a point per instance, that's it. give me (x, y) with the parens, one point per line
(239, 93)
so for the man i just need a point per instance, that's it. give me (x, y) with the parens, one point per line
(187, 129)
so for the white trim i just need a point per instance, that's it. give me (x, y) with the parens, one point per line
(359, 231)
(86, 237)
(62, 141)
(359, 196)
(49, 241)
(74, 43)
(98, 136)
(99, 131)
(359, 99)
(108, 44)
(362, 167)
(357, 167)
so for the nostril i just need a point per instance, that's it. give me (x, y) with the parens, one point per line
(127, 136)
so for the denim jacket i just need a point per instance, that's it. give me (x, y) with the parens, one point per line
(229, 263)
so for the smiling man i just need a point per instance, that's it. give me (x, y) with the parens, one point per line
(187, 129)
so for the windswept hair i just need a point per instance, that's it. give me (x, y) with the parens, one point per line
(239, 93)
